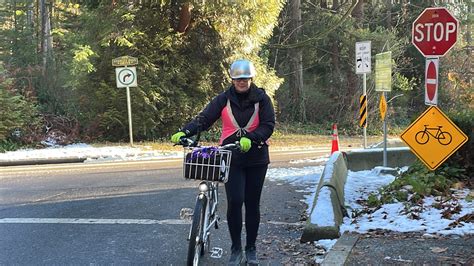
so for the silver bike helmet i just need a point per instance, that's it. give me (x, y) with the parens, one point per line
(242, 69)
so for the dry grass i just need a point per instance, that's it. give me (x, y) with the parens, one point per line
(277, 142)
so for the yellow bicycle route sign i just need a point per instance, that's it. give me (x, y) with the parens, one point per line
(433, 137)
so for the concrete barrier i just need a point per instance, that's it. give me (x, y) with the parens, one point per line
(358, 160)
(324, 222)
(332, 184)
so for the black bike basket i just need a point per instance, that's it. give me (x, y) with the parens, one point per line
(206, 163)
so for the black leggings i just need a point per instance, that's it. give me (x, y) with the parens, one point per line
(244, 186)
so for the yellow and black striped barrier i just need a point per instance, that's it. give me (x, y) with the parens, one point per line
(363, 111)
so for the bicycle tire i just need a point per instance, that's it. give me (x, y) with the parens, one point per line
(195, 248)
(422, 137)
(444, 138)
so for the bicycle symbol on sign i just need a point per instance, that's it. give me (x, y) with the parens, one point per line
(423, 136)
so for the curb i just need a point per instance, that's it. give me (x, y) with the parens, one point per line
(340, 251)
(42, 161)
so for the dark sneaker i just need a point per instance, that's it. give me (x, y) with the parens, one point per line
(236, 257)
(251, 256)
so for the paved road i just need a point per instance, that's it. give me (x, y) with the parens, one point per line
(122, 213)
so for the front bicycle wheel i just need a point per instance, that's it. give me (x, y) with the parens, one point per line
(422, 137)
(195, 248)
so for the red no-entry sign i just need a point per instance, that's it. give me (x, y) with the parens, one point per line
(435, 31)
(431, 81)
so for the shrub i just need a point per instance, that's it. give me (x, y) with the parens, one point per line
(16, 111)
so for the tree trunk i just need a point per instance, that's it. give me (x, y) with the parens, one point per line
(296, 55)
(46, 37)
(468, 28)
(32, 23)
(30, 16)
(15, 26)
(352, 79)
(184, 17)
(358, 11)
(389, 14)
(323, 4)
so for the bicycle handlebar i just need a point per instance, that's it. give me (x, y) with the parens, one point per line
(230, 146)
(187, 142)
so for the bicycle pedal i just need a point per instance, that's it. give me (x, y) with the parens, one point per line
(216, 224)
(186, 214)
(216, 253)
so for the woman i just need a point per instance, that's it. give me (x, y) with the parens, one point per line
(248, 117)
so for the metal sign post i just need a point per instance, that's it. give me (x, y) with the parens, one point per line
(365, 94)
(383, 113)
(384, 137)
(129, 109)
(126, 77)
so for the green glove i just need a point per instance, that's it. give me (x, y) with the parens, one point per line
(245, 144)
(177, 136)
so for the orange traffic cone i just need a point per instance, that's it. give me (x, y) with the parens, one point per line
(335, 139)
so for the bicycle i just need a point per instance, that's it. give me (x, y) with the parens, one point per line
(210, 165)
(423, 136)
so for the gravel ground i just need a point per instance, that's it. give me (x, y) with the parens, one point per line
(381, 248)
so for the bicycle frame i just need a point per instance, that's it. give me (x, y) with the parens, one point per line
(212, 203)
(211, 165)
(209, 192)
(430, 129)
(423, 136)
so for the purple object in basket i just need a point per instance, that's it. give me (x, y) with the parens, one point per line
(203, 152)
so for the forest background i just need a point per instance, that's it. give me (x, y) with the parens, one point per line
(57, 80)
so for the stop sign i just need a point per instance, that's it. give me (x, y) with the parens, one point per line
(435, 31)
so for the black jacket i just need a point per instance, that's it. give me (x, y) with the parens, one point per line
(242, 108)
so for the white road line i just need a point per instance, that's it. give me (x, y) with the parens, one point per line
(285, 223)
(112, 221)
(89, 221)
(89, 165)
(300, 152)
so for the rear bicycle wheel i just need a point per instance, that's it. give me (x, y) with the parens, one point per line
(195, 248)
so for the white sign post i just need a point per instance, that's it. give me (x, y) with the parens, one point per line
(363, 66)
(127, 77)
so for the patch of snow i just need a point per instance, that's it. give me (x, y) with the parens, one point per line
(323, 213)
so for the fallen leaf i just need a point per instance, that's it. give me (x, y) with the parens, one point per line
(443, 258)
(438, 250)
(458, 185)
